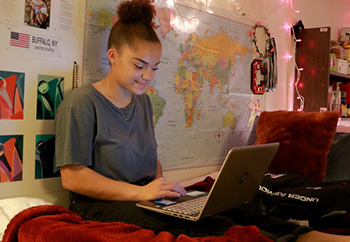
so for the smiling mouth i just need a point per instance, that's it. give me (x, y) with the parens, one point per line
(142, 84)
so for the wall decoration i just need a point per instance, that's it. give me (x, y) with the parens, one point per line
(9, 12)
(50, 94)
(268, 57)
(45, 163)
(37, 13)
(11, 153)
(258, 74)
(19, 39)
(11, 95)
(255, 109)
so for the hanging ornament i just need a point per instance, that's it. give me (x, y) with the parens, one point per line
(258, 73)
(268, 58)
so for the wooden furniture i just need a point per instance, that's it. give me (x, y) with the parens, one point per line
(312, 56)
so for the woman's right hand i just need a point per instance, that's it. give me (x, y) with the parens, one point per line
(160, 188)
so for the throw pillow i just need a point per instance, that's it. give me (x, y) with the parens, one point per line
(338, 158)
(305, 139)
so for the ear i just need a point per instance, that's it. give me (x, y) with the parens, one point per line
(112, 55)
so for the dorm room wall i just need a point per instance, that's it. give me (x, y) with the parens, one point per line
(66, 21)
(324, 13)
(33, 63)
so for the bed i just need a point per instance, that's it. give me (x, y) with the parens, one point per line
(308, 183)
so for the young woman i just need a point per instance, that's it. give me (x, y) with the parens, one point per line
(105, 142)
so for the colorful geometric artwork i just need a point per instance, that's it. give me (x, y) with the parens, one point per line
(11, 153)
(11, 95)
(50, 95)
(45, 163)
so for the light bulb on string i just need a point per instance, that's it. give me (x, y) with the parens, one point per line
(298, 75)
(186, 24)
(287, 27)
(170, 3)
(288, 56)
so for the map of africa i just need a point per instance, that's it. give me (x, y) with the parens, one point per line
(201, 92)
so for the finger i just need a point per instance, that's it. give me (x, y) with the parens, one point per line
(171, 194)
(174, 186)
(178, 188)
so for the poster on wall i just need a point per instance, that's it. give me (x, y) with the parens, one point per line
(49, 96)
(11, 95)
(37, 13)
(45, 163)
(9, 12)
(11, 153)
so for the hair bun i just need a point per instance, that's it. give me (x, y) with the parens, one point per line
(136, 11)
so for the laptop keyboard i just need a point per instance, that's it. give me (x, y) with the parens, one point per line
(189, 207)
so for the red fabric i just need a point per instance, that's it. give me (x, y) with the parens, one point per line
(56, 224)
(305, 139)
(203, 186)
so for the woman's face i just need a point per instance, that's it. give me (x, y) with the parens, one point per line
(134, 68)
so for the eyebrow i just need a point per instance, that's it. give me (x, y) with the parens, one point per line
(145, 62)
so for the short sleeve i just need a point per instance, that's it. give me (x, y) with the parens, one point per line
(75, 131)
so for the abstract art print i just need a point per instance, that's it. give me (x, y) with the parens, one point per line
(11, 95)
(45, 165)
(49, 96)
(11, 153)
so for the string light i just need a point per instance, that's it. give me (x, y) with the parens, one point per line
(287, 27)
(237, 7)
(186, 26)
(288, 56)
(170, 3)
(183, 23)
(296, 87)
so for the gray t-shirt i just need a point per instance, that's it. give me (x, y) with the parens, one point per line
(91, 131)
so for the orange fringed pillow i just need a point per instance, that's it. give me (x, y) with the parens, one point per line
(305, 139)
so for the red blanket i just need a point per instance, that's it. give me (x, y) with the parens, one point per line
(58, 224)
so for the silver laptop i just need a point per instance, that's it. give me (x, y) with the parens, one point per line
(237, 182)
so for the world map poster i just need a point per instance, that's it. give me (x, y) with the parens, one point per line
(201, 93)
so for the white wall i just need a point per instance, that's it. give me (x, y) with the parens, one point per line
(33, 63)
(322, 13)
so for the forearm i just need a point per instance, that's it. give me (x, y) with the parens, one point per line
(159, 170)
(85, 181)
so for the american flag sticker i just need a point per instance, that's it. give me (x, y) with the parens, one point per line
(20, 40)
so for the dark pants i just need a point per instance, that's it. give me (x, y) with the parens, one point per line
(128, 212)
